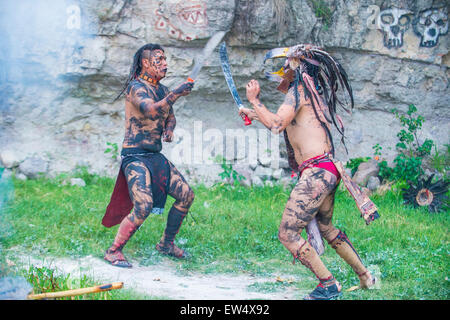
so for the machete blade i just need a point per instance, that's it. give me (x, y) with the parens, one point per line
(229, 79)
(207, 50)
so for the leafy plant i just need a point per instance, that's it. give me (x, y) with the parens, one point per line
(377, 151)
(323, 11)
(354, 163)
(408, 163)
(441, 161)
(228, 173)
(113, 149)
(385, 172)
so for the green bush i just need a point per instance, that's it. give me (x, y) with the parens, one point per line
(411, 153)
(409, 162)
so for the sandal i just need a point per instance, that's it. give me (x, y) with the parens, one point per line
(171, 250)
(324, 293)
(116, 259)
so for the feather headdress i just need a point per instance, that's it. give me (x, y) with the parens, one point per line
(320, 75)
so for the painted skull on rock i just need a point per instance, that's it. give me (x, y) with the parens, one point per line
(393, 23)
(430, 24)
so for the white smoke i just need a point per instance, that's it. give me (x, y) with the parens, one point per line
(37, 38)
(14, 288)
(11, 287)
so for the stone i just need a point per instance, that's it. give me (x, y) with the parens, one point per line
(9, 159)
(246, 181)
(348, 171)
(21, 176)
(287, 182)
(257, 181)
(277, 173)
(265, 161)
(365, 171)
(283, 163)
(263, 172)
(373, 183)
(33, 167)
(77, 182)
(253, 166)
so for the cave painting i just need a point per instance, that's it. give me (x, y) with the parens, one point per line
(428, 24)
(185, 20)
(393, 23)
(192, 13)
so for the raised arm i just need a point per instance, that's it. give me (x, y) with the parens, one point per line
(141, 98)
(276, 122)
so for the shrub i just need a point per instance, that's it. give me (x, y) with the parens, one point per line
(411, 153)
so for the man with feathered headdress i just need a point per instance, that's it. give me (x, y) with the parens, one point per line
(310, 78)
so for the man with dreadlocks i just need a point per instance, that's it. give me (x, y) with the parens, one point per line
(146, 176)
(309, 78)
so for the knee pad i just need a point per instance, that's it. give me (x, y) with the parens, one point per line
(340, 238)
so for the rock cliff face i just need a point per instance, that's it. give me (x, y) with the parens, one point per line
(63, 64)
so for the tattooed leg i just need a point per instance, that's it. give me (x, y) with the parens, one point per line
(340, 242)
(184, 196)
(139, 188)
(114, 254)
(346, 251)
(304, 202)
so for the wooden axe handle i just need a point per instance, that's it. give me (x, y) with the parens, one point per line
(76, 292)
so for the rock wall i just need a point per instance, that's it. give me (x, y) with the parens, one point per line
(63, 64)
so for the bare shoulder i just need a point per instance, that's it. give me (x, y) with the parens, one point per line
(137, 89)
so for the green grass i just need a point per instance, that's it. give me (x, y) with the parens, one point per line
(234, 230)
(44, 279)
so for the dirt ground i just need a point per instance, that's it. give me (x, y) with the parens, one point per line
(162, 280)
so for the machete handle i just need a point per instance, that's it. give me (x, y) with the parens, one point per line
(190, 79)
(246, 119)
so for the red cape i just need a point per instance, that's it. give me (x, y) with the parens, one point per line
(120, 204)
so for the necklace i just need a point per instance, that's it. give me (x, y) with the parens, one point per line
(148, 78)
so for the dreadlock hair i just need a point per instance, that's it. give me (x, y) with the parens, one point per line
(327, 74)
(136, 67)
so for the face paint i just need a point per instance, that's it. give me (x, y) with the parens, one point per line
(157, 64)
